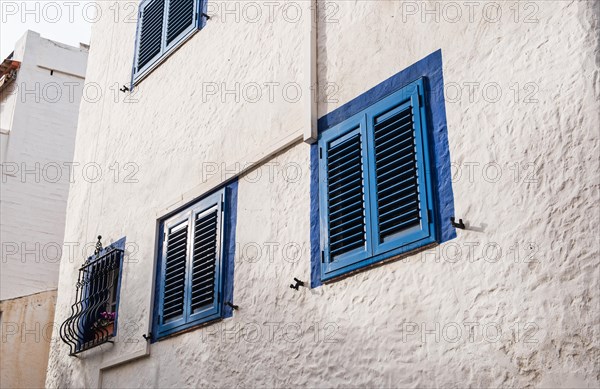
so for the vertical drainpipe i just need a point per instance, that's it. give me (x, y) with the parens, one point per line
(310, 67)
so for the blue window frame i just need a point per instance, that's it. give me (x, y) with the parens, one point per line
(163, 25)
(195, 269)
(375, 183)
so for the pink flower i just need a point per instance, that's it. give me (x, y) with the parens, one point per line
(108, 315)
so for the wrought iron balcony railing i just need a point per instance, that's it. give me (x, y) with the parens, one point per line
(93, 314)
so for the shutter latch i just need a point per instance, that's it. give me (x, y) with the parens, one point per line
(230, 304)
(298, 284)
(460, 223)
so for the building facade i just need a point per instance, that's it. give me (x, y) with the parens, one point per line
(326, 194)
(42, 84)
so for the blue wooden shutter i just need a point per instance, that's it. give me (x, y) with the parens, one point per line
(396, 172)
(206, 259)
(191, 276)
(180, 20)
(173, 295)
(401, 189)
(376, 196)
(150, 33)
(162, 26)
(343, 196)
(345, 191)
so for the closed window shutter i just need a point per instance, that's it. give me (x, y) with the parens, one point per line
(181, 17)
(402, 202)
(174, 273)
(345, 195)
(396, 173)
(192, 266)
(150, 32)
(162, 26)
(376, 196)
(204, 260)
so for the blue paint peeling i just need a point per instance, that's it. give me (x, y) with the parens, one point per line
(430, 68)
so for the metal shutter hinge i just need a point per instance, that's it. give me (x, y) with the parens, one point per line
(231, 305)
(460, 223)
(297, 285)
(320, 152)
(322, 256)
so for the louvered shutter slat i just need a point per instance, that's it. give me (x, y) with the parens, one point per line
(174, 281)
(181, 17)
(345, 195)
(151, 30)
(204, 260)
(396, 173)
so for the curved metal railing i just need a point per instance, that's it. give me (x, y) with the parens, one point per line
(95, 294)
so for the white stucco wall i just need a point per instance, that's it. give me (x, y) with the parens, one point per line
(42, 110)
(527, 317)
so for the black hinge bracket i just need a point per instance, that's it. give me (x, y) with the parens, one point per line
(230, 304)
(460, 223)
(322, 256)
(298, 284)
(320, 152)
(206, 16)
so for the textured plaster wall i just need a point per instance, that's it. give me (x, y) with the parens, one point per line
(27, 330)
(42, 110)
(512, 301)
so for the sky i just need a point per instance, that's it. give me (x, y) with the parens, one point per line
(67, 21)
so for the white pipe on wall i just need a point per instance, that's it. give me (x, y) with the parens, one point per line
(310, 67)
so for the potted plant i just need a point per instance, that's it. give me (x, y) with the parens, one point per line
(105, 325)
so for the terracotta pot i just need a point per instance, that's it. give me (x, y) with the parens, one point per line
(107, 330)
